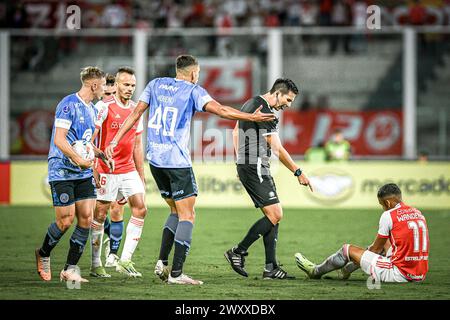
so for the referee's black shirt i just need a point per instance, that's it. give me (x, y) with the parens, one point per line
(253, 147)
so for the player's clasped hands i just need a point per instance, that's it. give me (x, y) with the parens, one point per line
(259, 116)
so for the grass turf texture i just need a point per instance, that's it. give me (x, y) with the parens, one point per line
(316, 233)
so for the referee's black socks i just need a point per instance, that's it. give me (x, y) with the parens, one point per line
(260, 228)
(270, 243)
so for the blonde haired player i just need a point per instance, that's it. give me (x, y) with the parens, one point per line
(71, 182)
(127, 177)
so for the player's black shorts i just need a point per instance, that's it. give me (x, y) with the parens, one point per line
(261, 188)
(67, 192)
(176, 184)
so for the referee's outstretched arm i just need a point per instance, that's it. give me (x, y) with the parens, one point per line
(275, 143)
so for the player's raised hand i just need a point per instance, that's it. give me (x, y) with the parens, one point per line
(304, 181)
(259, 116)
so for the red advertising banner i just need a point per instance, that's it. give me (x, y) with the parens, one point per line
(370, 133)
(5, 177)
(31, 132)
(377, 133)
(229, 81)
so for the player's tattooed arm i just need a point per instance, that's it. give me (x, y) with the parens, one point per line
(99, 153)
(233, 114)
(96, 176)
(63, 145)
(126, 126)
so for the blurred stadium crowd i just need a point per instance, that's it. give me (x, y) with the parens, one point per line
(223, 14)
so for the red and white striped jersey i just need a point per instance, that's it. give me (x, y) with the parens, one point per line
(407, 230)
(110, 117)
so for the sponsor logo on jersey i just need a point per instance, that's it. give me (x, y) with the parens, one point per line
(331, 186)
(415, 277)
(176, 193)
(87, 135)
(168, 88)
(164, 192)
(117, 116)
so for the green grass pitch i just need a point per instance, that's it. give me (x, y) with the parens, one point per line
(316, 233)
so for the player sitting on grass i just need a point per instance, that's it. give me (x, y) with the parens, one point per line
(406, 229)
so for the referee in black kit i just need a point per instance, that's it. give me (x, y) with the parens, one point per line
(253, 143)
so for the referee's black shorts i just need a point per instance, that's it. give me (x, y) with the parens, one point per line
(260, 187)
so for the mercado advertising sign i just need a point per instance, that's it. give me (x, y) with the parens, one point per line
(352, 185)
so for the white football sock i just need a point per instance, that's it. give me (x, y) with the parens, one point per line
(96, 243)
(133, 235)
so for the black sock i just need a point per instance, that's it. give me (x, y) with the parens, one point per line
(260, 228)
(51, 240)
(183, 238)
(77, 242)
(270, 244)
(168, 236)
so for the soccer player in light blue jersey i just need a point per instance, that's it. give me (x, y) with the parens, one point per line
(72, 185)
(172, 102)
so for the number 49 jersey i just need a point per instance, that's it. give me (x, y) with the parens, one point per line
(407, 230)
(172, 104)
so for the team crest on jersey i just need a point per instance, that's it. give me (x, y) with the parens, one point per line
(64, 198)
(87, 135)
